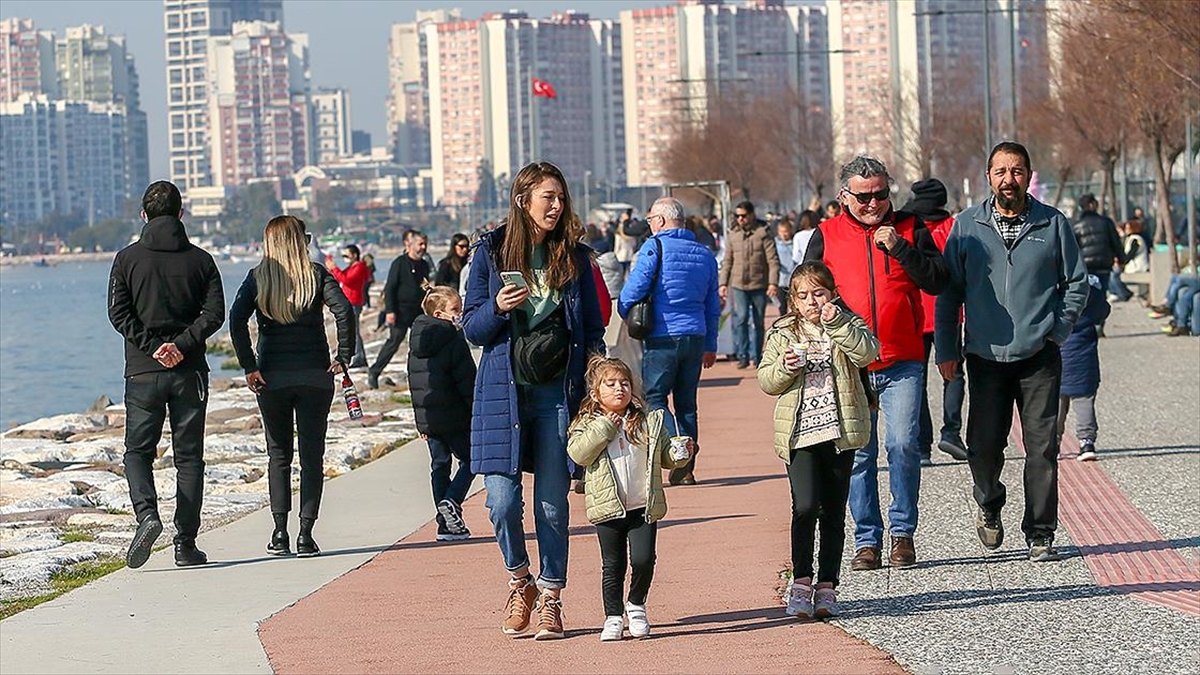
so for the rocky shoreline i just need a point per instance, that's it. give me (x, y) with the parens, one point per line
(64, 499)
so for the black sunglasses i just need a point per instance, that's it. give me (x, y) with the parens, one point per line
(307, 238)
(866, 197)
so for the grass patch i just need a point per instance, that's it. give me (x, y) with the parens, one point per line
(74, 535)
(405, 398)
(231, 364)
(63, 581)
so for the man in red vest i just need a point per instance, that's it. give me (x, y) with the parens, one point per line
(881, 260)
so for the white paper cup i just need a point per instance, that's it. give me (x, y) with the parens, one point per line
(679, 448)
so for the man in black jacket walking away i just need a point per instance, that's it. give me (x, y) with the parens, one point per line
(406, 283)
(165, 298)
(1099, 242)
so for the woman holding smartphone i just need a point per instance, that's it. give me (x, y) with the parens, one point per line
(291, 371)
(536, 333)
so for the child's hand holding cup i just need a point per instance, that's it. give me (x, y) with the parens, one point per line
(681, 448)
(796, 356)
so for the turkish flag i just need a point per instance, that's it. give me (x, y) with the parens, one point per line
(543, 88)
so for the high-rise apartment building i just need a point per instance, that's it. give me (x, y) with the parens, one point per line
(902, 67)
(94, 66)
(408, 82)
(60, 157)
(681, 60)
(332, 134)
(26, 60)
(259, 108)
(485, 121)
(189, 24)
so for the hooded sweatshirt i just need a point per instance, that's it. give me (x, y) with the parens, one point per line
(441, 376)
(163, 289)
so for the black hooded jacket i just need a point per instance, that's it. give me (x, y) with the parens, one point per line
(1098, 242)
(441, 376)
(163, 289)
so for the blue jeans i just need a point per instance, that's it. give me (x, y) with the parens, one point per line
(1196, 314)
(543, 422)
(748, 306)
(671, 366)
(1179, 297)
(900, 390)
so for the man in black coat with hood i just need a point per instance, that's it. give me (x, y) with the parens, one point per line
(165, 298)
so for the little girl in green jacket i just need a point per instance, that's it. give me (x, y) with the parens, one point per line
(811, 361)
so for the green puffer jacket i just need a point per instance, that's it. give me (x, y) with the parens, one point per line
(588, 446)
(854, 347)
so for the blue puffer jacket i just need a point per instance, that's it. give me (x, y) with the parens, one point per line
(495, 434)
(686, 301)
(1080, 359)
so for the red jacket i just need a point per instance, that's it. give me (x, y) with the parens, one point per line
(883, 288)
(353, 280)
(940, 231)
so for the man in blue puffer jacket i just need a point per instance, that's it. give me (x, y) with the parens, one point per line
(687, 309)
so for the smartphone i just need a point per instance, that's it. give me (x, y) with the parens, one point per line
(513, 279)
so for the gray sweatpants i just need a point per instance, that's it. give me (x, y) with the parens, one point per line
(1086, 427)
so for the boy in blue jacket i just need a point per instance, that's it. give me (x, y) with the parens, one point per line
(1081, 371)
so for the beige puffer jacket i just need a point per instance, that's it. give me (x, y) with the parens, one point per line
(751, 259)
(588, 446)
(854, 347)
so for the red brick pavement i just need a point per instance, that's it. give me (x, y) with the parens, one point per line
(436, 608)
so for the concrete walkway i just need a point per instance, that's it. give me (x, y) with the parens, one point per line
(163, 619)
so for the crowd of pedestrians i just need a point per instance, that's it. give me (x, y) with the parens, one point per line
(1008, 297)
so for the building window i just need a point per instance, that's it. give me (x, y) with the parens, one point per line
(174, 48)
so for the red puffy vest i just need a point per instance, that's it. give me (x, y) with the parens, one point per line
(876, 287)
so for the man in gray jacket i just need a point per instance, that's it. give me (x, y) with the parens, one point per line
(1015, 265)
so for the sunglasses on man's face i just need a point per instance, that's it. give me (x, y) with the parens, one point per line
(866, 197)
(741, 216)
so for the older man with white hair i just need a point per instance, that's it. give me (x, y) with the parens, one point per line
(687, 309)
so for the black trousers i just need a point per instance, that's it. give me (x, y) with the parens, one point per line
(632, 535)
(396, 333)
(296, 416)
(1032, 385)
(150, 398)
(820, 480)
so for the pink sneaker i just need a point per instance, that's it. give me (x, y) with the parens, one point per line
(825, 600)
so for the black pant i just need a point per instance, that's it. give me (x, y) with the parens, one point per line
(304, 410)
(632, 531)
(149, 399)
(1032, 385)
(360, 351)
(396, 333)
(820, 480)
(954, 392)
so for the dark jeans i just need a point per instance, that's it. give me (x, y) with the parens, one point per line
(296, 416)
(1032, 385)
(360, 352)
(954, 392)
(149, 399)
(749, 307)
(632, 535)
(671, 366)
(396, 333)
(820, 480)
(443, 449)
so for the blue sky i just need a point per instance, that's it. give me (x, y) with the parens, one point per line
(347, 43)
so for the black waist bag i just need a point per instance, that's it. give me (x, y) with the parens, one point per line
(539, 354)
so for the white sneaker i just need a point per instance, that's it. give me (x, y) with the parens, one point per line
(639, 627)
(614, 629)
(800, 601)
(826, 602)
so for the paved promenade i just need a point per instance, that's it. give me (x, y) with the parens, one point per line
(1126, 599)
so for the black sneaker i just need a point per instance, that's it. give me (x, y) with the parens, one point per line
(1041, 549)
(306, 546)
(452, 523)
(372, 380)
(187, 555)
(1087, 451)
(989, 528)
(926, 460)
(953, 447)
(143, 542)
(280, 543)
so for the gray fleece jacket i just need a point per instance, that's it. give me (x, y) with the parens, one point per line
(1015, 299)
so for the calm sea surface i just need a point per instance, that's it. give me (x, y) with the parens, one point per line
(58, 352)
